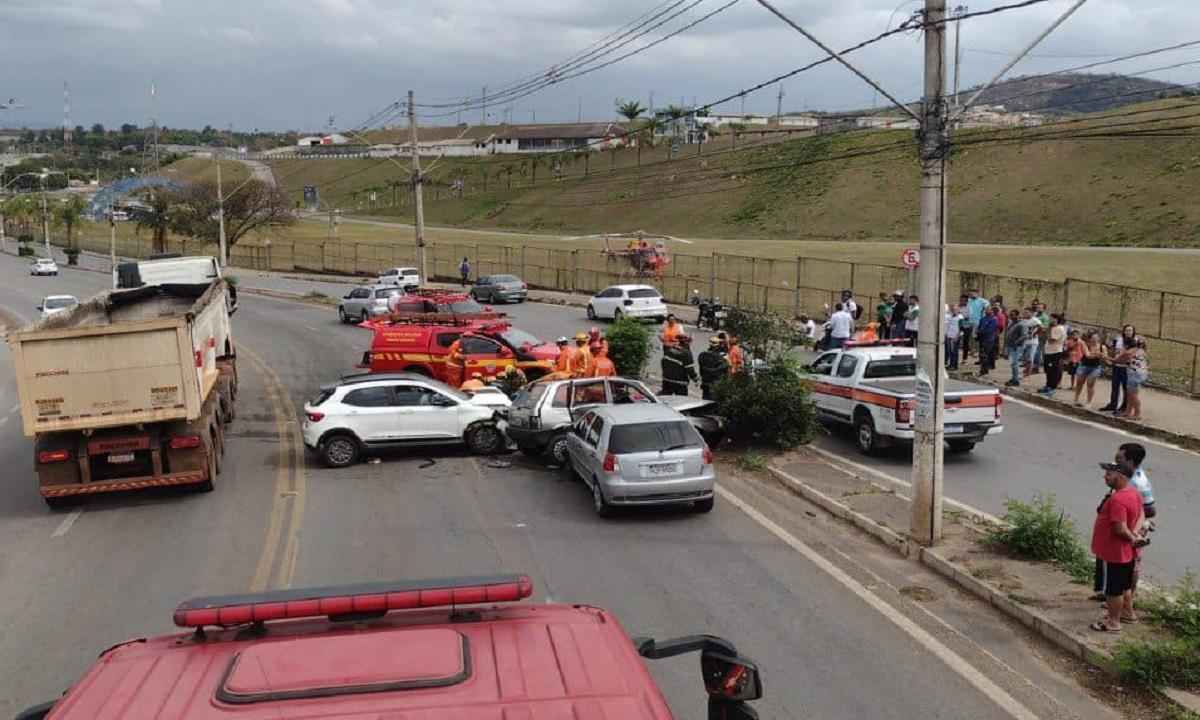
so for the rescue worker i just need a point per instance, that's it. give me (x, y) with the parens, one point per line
(564, 366)
(670, 331)
(602, 366)
(596, 341)
(475, 383)
(583, 357)
(713, 366)
(868, 334)
(455, 364)
(678, 366)
(737, 357)
(512, 381)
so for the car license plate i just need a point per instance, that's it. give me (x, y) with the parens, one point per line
(720, 314)
(120, 458)
(660, 470)
(953, 429)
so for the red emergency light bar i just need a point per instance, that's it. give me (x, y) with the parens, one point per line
(902, 342)
(364, 598)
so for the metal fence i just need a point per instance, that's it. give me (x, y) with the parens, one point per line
(803, 285)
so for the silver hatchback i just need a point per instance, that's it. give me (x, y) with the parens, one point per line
(366, 302)
(641, 455)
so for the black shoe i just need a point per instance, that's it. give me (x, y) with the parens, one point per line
(1107, 408)
(1012, 383)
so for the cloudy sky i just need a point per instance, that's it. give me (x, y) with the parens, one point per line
(282, 64)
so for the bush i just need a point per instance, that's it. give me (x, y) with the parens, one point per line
(770, 405)
(1174, 663)
(628, 346)
(24, 250)
(1042, 531)
(752, 461)
(1178, 610)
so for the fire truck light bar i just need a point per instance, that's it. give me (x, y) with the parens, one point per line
(350, 599)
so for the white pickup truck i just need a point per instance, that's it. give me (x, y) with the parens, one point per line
(872, 388)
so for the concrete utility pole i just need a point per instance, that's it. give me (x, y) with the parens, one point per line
(222, 247)
(45, 220)
(958, 13)
(779, 104)
(928, 450)
(112, 243)
(419, 225)
(482, 111)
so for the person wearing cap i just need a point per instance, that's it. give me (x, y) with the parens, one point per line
(1114, 540)
(678, 366)
(1133, 455)
(564, 365)
(512, 381)
(714, 366)
(475, 383)
(583, 357)
(670, 331)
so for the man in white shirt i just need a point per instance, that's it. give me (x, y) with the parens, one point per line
(808, 328)
(849, 305)
(953, 331)
(841, 326)
(912, 319)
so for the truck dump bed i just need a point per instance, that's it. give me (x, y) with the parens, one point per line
(123, 357)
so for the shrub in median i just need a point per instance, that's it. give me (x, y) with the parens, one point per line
(768, 405)
(1156, 664)
(628, 346)
(1041, 531)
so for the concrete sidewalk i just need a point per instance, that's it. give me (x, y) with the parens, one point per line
(1165, 415)
(1040, 596)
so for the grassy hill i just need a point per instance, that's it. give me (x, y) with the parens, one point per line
(1066, 93)
(1126, 177)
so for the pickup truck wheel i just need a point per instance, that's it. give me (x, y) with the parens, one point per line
(531, 450)
(591, 312)
(961, 446)
(599, 504)
(340, 451)
(61, 503)
(556, 449)
(865, 436)
(484, 438)
(704, 506)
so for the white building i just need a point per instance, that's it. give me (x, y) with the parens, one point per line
(801, 121)
(330, 139)
(885, 122)
(717, 119)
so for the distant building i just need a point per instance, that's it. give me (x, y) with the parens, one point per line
(801, 121)
(317, 140)
(717, 119)
(554, 137)
(885, 122)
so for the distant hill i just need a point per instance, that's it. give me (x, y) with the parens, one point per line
(1068, 93)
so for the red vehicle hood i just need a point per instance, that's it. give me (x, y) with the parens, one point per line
(545, 351)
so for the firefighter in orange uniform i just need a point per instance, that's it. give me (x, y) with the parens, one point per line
(455, 364)
(596, 341)
(583, 357)
(601, 365)
(564, 366)
(737, 358)
(670, 331)
(868, 334)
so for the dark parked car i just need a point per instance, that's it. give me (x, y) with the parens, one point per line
(500, 288)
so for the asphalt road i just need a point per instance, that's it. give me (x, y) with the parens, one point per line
(826, 613)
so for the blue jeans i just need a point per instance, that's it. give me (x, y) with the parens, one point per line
(952, 353)
(1015, 355)
(836, 342)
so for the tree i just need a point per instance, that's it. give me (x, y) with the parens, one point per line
(98, 129)
(628, 346)
(69, 214)
(629, 109)
(155, 215)
(253, 207)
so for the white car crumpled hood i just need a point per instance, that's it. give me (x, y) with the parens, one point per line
(491, 399)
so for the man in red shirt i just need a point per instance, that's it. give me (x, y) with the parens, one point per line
(1113, 538)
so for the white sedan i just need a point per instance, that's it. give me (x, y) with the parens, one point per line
(55, 304)
(636, 301)
(43, 266)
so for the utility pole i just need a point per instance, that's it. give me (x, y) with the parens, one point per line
(779, 104)
(222, 249)
(419, 226)
(928, 450)
(482, 111)
(112, 243)
(579, 114)
(959, 11)
(45, 220)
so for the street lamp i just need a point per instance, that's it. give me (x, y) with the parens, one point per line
(45, 212)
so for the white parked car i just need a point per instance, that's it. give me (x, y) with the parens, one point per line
(408, 278)
(55, 304)
(43, 266)
(638, 301)
(367, 412)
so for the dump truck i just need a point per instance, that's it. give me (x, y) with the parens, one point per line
(128, 390)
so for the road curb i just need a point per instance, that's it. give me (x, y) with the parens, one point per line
(1190, 442)
(931, 558)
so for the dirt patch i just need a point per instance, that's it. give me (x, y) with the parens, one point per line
(918, 593)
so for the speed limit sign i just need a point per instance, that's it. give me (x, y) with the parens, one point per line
(911, 258)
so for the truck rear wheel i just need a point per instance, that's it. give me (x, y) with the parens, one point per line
(214, 467)
(61, 503)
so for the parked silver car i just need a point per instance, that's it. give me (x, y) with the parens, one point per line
(366, 302)
(644, 454)
(500, 289)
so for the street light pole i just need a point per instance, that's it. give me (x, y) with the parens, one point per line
(222, 251)
(928, 450)
(419, 225)
(45, 220)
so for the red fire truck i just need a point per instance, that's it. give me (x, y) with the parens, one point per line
(488, 346)
(428, 649)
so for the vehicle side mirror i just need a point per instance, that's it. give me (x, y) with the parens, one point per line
(730, 679)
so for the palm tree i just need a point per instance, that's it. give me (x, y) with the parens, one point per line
(630, 110)
(68, 215)
(156, 217)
